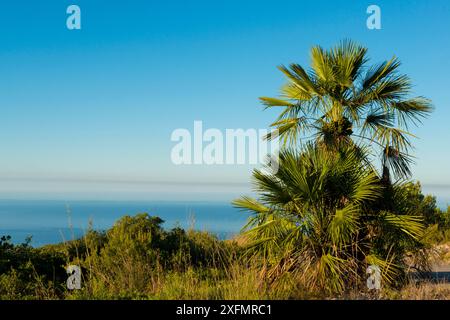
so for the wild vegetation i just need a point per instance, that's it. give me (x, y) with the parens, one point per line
(137, 259)
(340, 201)
(328, 213)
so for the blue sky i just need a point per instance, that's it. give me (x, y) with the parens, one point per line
(89, 113)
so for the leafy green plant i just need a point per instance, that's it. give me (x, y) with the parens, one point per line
(322, 217)
(341, 99)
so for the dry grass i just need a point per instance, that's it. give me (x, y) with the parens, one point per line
(422, 291)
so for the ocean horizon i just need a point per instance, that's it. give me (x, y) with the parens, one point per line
(55, 221)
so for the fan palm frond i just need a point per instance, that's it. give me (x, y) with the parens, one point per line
(341, 87)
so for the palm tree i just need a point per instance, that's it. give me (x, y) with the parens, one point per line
(320, 217)
(341, 99)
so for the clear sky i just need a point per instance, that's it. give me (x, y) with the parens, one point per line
(89, 113)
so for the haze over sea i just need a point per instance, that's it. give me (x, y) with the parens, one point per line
(53, 221)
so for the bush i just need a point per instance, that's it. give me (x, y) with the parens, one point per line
(26, 272)
(137, 254)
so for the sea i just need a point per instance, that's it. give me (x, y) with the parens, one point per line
(49, 222)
